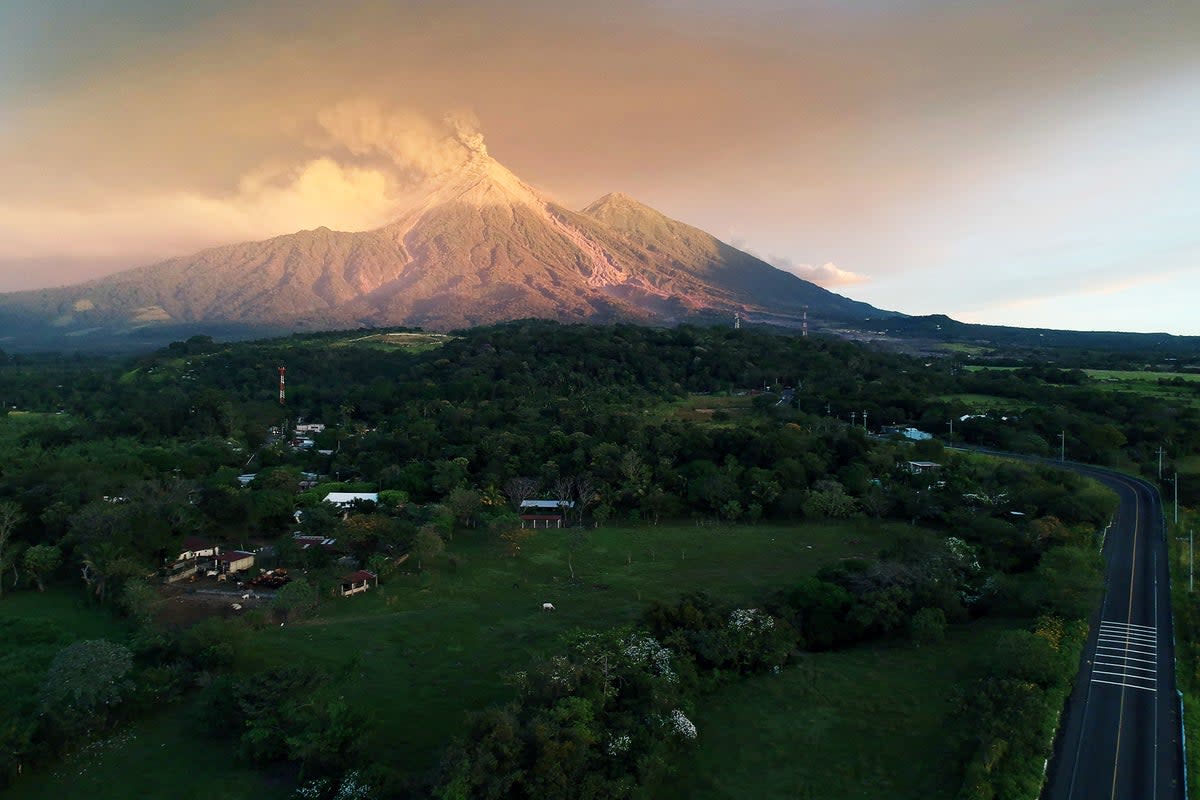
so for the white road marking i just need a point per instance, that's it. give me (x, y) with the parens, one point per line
(1121, 650)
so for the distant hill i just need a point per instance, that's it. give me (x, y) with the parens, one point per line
(481, 246)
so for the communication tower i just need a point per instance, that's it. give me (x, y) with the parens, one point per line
(282, 385)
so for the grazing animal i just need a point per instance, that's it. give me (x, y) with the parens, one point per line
(246, 596)
(548, 607)
(237, 606)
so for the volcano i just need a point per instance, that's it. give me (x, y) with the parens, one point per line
(479, 246)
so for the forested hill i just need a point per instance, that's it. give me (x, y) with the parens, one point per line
(509, 398)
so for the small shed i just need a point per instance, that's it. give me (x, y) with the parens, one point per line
(357, 582)
(918, 467)
(235, 561)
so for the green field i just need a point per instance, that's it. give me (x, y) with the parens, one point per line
(165, 756)
(864, 723)
(1138, 376)
(984, 402)
(424, 650)
(1189, 464)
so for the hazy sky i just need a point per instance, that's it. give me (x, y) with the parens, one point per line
(1025, 163)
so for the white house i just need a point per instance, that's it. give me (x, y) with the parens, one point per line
(195, 547)
(235, 561)
(345, 499)
(311, 427)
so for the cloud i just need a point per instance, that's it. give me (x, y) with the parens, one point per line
(364, 162)
(410, 140)
(829, 275)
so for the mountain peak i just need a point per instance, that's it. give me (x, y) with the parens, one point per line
(477, 245)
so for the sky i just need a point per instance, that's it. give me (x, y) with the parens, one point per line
(1017, 163)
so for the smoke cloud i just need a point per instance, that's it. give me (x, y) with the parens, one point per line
(374, 158)
(829, 275)
(415, 144)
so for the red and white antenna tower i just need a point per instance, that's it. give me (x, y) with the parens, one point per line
(804, 323)
(282, 394)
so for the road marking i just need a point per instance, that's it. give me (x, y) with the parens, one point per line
(1122, 649)
(1127, 686)
(1137, 523)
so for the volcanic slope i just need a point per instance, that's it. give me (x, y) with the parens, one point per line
(481, 246)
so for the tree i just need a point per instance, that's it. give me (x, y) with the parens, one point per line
(41, 560)
(86, 681)
(10, 518)
(463, 503)
(520, 489)
(296, 599)
(427, 545)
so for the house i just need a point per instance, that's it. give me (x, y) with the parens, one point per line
(541, 520)
(311, 427)
(544, 513)
(917, 467)
(906, 431)
(246, 479)
(234, 561)
(357, 582)
(346, 499)
(305, 541)
(196, 547)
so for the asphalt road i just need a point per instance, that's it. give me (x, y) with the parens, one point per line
(1120, 734)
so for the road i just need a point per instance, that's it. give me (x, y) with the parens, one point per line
(1120, 735)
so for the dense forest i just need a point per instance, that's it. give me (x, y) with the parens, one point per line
(108, 464)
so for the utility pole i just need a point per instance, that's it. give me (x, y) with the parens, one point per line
(1062, 452)
(853, 418)
(1176, 482)
(1191, 560)
(864, 419)
(1160, 454)
(952, 429)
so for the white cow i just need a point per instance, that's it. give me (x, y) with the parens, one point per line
(237, 606)
(547, 606)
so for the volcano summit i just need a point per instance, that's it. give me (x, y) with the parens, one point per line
(478, 246)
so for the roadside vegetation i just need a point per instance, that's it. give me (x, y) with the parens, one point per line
(1185, 604)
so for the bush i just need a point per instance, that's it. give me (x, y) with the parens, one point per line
(928, 626)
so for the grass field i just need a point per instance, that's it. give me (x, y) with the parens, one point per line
(702, 407)
(1147, 384)
(413, 341)
(984, 402)
(864, 723)
(424, 650)
(421, 651)
(164, 756)
(1189, 464)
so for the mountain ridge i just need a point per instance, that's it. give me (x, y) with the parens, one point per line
(479, 246)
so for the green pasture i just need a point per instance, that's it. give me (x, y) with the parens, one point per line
(164, 756)
(412, 341)
(1140, 376)
(875, 721)
(702, 407)
(984, 402)
(423, 650)
(1189, 464)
